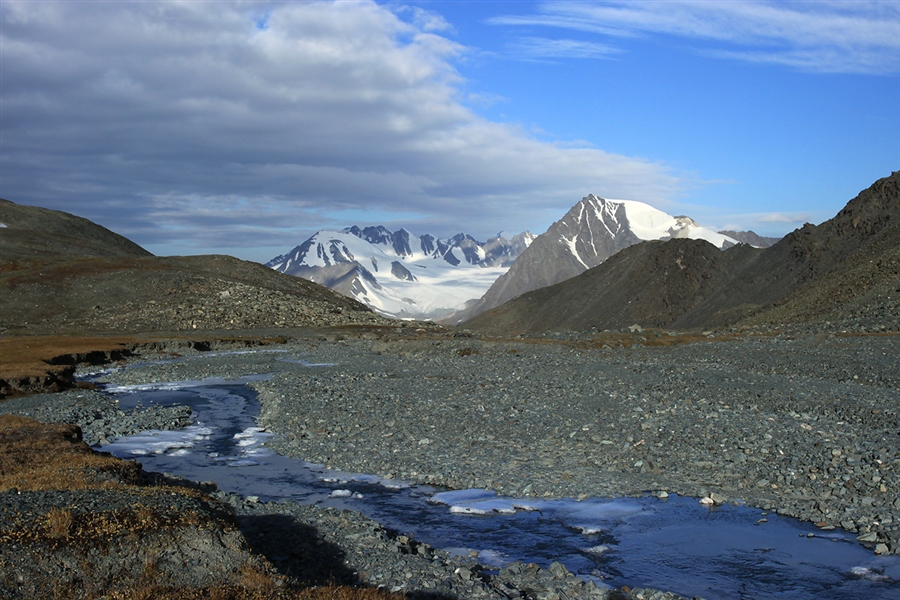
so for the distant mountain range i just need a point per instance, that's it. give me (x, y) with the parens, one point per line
(405, 276)
(592, 231)
(402, 275)
(845, 270)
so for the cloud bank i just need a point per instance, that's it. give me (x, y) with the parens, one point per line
(196, 126)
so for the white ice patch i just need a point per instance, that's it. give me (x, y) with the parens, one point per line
(343, 477)
(493, 558)
(601, 549)
(251, 437)
(869, 574)
(158, 442)
(458, 496)
(591, 517)
(242, 462)
(479, 502)
(187, 383)
(346, 494)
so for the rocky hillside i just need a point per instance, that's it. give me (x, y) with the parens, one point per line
(588, 234)
(846, 270)
(63, 274)
(30, 235)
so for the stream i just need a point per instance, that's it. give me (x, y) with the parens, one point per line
(673, 544)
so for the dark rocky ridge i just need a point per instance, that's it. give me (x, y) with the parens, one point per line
(846, 270)
(39, 235)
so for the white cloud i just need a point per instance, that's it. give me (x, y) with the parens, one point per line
(819, 36)
(541, 47)
(782, 218)
(160, 118)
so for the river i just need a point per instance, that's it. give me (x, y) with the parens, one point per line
(673, 544)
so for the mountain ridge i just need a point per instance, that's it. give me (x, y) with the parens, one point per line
(684, 284)
(590, 232)
(399, 274)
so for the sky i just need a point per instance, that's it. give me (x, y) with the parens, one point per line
(244, 127)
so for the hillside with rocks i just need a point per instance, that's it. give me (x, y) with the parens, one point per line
(63, 274)
(751, 237)
(844, 270)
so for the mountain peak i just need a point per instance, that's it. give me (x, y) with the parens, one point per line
(591, 231)
(399, 274)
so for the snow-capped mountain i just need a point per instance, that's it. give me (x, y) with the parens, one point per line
(592, 231)
(402, 275)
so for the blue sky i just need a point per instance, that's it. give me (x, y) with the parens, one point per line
(243, 127)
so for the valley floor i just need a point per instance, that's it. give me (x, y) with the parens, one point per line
(804, 425)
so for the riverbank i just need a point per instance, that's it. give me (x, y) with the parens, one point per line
(802, 425)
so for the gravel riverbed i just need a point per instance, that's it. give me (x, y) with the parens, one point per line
(806, 426)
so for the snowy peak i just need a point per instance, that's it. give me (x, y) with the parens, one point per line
(589, 233)
(399, 274)
(623, 217)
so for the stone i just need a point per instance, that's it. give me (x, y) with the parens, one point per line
(559, 570)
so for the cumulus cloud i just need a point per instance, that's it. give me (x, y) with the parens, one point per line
(217, 125)
(817, 36)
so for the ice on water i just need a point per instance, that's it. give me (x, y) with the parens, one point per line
(590, 517)
(159, 442)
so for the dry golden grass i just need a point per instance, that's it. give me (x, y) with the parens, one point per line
(59, 522)
(30, 356)
(37, 457)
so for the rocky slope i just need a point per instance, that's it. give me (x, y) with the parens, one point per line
(60, 273)
(846, 270)
(591, 232)
(30, 235)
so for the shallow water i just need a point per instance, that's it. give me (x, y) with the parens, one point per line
(674, 544)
